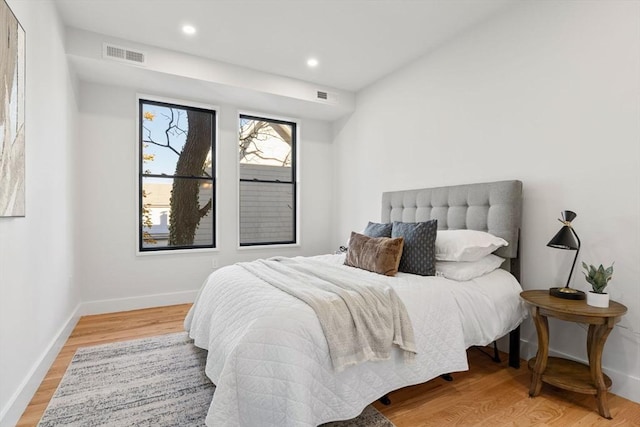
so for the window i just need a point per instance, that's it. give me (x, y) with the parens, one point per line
(177, 178)
(267, 151)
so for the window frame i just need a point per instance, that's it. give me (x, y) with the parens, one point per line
(184, 104)
(295, 180)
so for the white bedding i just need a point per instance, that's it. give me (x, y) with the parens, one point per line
(270, 362)
(342, 302)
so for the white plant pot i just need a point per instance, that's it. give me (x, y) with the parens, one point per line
(597, 300)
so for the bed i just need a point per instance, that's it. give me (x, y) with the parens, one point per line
(268, 356)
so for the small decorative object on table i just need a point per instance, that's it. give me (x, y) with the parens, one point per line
(599, 279)
(566, 239)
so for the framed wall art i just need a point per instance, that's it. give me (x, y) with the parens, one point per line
(12, 102)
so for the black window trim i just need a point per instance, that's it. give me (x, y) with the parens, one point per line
(150, 99)
(293, 182)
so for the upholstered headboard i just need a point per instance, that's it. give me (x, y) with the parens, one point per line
(494, 207)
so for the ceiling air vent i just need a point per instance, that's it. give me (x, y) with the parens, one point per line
(322, 95)
(123, 54)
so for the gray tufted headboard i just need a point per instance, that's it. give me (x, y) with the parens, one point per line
(495, 207)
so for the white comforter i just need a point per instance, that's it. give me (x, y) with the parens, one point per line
(269, 359)
(343, 303)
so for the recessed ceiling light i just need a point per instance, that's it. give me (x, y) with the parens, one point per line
(189, 29)
(312, 62)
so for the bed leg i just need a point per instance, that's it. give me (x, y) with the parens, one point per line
(446, 377)
(514, 348)
(385, 400)
(496, 354)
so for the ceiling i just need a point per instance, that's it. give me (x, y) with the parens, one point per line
(355, 41)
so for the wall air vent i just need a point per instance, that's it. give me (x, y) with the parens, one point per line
(123, 54)
(326, 97)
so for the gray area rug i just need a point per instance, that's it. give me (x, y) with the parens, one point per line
(157, 381)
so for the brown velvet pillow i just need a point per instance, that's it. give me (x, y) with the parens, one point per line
(378, 254)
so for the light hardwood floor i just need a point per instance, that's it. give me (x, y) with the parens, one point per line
(488, 394)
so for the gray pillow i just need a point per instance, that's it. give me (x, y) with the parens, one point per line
(373, 229)
(419, 252)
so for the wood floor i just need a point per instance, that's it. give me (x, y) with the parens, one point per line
(489, 394)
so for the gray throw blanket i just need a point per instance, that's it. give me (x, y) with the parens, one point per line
(361, 317)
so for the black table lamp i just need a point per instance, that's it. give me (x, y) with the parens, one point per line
(564, 239)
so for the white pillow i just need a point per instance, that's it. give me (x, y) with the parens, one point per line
(466, 245)
(468, 270)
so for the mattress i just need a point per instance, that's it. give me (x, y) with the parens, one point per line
(270, 362)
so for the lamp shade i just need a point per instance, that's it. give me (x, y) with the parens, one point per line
(568, 216)
(564, 239)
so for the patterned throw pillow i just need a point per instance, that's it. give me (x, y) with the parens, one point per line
(419, 253)
(378, 254)
(374, 229)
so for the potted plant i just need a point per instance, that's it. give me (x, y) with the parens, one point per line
(599, 279)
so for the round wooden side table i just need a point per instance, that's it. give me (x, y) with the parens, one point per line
(569, 374)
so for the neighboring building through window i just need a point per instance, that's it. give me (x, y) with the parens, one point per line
(267, 151)
(177, 203)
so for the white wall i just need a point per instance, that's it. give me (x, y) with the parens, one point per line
(37, 292)
(110, 274)
(548, 93)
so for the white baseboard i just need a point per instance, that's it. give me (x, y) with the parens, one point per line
(624, 385)
(136, 303)
(11, 413)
